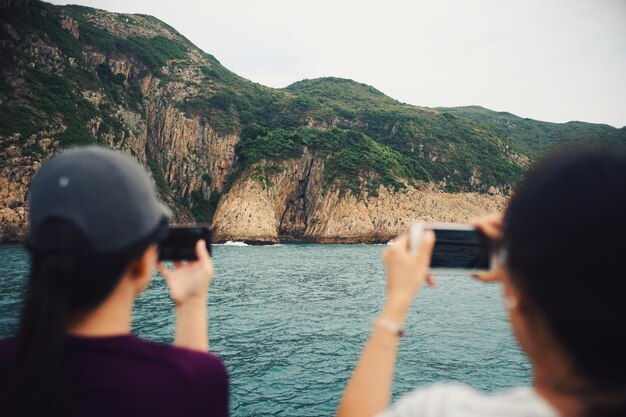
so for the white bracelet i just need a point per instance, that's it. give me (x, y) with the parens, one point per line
(390, 326)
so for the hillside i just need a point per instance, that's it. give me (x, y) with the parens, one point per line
(327, 160)
(534, 138)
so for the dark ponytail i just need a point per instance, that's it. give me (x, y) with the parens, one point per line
(66, 277)
(40, 363)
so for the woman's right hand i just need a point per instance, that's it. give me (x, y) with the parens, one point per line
(191, 280)
(188, 284)
(491, 226)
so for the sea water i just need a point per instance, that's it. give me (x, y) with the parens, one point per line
(291, 320)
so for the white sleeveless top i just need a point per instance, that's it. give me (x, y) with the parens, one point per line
(457, 400)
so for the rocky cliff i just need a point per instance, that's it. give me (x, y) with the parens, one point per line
(326, 160)
(292, 204)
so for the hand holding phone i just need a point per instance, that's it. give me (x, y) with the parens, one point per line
(188, 285)
(406, 273)
(491, 226)
(180, 243)
(459, 249)
(187, 280)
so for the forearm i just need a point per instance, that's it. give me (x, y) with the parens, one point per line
(369, 389)
(192, 330)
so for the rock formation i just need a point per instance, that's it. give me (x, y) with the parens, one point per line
(292, 205)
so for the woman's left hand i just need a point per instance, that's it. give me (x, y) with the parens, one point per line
(406, 273)
(369, 389)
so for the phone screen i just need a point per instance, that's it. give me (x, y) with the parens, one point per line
(180, 243)
(461, 249)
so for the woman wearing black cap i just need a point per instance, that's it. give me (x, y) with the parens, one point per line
(563, 284)
(95, 222)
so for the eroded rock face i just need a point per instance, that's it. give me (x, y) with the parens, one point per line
(346, 219)
(16, 171)
(293, 204)
(128, 25)
(251, 218)
(70, 25)
(188, 149)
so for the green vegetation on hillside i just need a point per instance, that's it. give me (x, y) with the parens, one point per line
(345, 98)
(241, 103)
(535, 138)
(449, 149)
(348, 155)
(427, 145)
(50, 95)
(153, 52)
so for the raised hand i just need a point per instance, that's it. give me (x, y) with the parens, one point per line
(189, 280)
(188, 285)
(406, 273)
(491, 226)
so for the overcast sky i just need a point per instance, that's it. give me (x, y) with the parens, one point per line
(555, 60)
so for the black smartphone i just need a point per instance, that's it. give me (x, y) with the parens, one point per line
(180, 243)
(459, 248)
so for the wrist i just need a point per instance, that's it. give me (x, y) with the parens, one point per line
(193, 301)
(397, 329)
(396, 309)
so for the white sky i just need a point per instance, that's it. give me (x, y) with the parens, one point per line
(554, 60)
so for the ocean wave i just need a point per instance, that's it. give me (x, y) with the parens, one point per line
(238, 243)
(234, 243)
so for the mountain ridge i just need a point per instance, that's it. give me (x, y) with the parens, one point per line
(505, 112)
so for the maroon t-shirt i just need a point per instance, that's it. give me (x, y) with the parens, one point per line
(126, 376)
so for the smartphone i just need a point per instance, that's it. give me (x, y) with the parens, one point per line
(460, 249)
(180, 243)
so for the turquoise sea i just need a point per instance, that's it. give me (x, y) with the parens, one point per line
(291, 320)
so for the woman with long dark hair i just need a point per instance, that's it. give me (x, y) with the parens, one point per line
(95, 223)
(564, 283)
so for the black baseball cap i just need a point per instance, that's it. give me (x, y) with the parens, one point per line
(106, 194)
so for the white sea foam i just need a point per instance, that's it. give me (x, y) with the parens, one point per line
(235, 243)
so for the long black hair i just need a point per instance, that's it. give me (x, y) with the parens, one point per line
(66, 277)
(565, 234)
